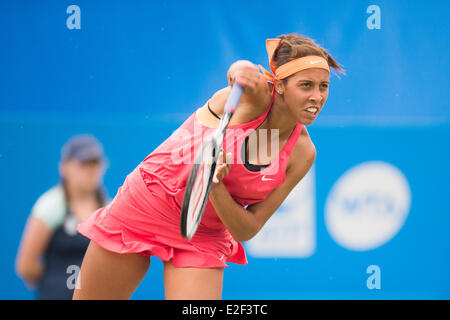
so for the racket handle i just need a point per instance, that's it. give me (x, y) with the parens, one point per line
(233, 98)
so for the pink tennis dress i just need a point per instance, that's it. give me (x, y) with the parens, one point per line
(144, 216)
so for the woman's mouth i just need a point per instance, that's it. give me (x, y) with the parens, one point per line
(312, 111)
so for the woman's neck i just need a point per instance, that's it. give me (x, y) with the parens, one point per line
(278, 118)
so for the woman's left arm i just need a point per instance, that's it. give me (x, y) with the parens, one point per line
(244, 224)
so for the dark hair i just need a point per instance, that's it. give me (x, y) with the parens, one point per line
(293, 46)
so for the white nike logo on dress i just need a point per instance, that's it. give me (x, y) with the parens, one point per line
(265, 179)
(314, 62)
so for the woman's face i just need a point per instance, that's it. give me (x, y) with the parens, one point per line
(83, 176)
(305, 89)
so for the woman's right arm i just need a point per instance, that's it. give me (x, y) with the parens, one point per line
(254, 101)
(34, 243)
(247, 75)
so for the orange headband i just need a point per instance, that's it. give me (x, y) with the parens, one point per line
(291, 67)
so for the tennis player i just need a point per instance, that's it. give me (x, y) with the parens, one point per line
(143, 219)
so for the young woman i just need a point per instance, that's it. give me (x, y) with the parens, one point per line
(144, 217)
(51, 249)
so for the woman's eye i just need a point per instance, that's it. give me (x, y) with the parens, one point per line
(308, 85)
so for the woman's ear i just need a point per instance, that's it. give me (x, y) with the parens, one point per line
(61, 169)
(64, 169)
(279, 87)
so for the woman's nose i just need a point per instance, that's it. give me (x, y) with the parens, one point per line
(316, 96)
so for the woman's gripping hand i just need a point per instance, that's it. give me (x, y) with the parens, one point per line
(246, 74)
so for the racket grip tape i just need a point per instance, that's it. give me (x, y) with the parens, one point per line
(233, 98)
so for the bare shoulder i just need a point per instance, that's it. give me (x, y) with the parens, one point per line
(246, 111)
(303, 154)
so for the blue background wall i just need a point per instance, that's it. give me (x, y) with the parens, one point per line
(135, 71)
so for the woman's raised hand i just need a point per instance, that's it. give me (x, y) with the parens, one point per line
(245, 74)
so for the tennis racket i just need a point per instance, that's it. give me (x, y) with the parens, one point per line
(199, 183)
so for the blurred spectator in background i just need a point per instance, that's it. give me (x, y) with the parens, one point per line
(51, 250)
